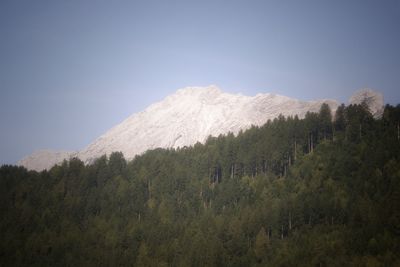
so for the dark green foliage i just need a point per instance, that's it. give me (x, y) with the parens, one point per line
(309, 192)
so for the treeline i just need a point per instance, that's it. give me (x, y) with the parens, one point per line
(318, 191)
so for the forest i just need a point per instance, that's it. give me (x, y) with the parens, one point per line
(323, 190)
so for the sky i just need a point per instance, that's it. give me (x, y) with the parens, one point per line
(71, 70)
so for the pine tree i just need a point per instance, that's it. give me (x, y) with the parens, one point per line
(261, 244)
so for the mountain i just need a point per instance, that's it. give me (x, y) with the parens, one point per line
(371, 98)
(191, 115)
(44, 159)
(188, 116)
(290, 193)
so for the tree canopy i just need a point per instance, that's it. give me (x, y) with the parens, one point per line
(294, 192)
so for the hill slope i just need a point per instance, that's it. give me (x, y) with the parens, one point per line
(293, 192)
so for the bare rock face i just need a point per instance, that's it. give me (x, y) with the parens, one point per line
(191, 115)
(372, 99)
(188, 116)
(44, 159)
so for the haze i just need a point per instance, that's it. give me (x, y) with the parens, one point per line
(71, 70)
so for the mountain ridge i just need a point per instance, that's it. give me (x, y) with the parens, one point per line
(188, 116)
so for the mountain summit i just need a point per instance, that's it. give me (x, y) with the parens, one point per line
(191, 115)
(188, 116)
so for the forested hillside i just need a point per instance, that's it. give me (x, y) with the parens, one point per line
(295, 192)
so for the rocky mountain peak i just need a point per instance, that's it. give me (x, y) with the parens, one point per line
(195, 91)
(372, 99)
(190, 115)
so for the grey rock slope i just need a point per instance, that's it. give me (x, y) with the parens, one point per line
(373, 99)
(184, 118)
(44, 159)
(191, 115)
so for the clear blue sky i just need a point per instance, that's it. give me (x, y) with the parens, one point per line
(70, 70)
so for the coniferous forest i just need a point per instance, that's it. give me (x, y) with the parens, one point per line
(318, 191)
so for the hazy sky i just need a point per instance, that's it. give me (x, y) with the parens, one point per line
(70, 70)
